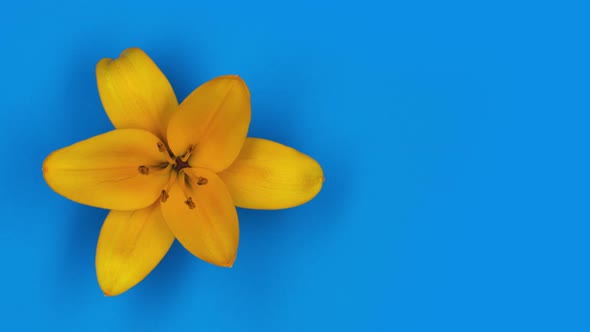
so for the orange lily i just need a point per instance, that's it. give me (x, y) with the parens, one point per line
(174, 171)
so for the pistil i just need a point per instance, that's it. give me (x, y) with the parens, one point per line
(180, 164)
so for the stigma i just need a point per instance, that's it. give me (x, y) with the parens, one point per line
(180, 164)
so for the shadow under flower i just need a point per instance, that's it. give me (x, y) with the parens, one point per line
(75, 271)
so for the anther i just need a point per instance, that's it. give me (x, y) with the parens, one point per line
(143, 170)
(189, 149)
(189, 202)
(164, 196)
(161, 147)
(202, 181)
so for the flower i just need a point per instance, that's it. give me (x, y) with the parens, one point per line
(174, 171)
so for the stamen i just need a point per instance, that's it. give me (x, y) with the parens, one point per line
(189, 202)
(185, 185)
(154, 169)
(187, 155)
(164, 196)
(143, 170)
(202, 181)
(163, 165)
(163, 148)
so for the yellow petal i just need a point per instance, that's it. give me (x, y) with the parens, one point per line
(130, 245)
(135, 93)
(203, 217)
(120, 170)
(268, 175)
(214, 121)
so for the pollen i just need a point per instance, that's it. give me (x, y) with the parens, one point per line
(189, 202)
(202, 181)
(164, 196)
(143, 170)
(161, 147)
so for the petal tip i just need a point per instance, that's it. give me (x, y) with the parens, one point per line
(102, 64)
(132, 49)
(230, 263)
(234, 77)
(110, 289)
(106, 291)
(225, 260)
(45, 166)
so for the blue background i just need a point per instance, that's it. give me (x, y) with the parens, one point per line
(453, 135)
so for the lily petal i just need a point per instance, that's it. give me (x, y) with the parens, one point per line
(212, 122)
(121, 170)
(203, 217)
(268, 175)
(130, 245)
(135, 93)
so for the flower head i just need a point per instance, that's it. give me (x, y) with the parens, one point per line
(174, 171)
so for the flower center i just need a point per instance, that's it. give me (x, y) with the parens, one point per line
(180, 164)
(177, 164)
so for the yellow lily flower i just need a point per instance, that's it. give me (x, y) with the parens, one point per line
(174, 171)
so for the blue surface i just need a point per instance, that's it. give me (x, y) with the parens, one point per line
(453, 135)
